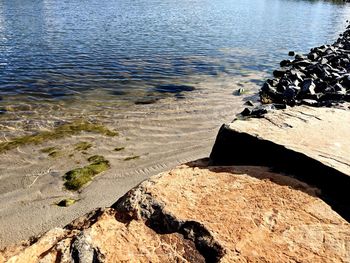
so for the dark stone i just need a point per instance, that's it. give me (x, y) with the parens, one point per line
(312, 56)
(249, 103)
(332, 96)
(315, 96)
(281, 87)
(267, 88)
(320, 76)
(339, 88)
(318, 71)
(308, 86)
(297, 75)
(279, 73)
(344, 62)
(285, 63)
(259, 111)
(320, 85)
(283, 84)
(289, 94)
(329, 89)
(299, 57)
(302, 63)
(246, 112)
(280, 106)
(346, 82)
(272, 82)
(346, 97)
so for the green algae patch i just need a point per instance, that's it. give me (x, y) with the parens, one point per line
(118, 149)
(48, 149)
(82, 146)
(59, 132)
(51, 151)
(54, 154)
(96, 159)
(77, 178)
(66, 202)
(132, 158)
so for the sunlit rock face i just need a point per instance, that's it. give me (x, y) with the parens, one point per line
(200, 213)
(308, 143)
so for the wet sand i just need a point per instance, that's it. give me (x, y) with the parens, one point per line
(154, 137)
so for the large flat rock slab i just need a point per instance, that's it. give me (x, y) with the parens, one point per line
(309, 143)
(196, 213)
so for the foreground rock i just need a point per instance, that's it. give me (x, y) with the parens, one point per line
(310, 143)
(202, 214)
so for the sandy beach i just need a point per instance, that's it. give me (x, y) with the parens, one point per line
(151, 138)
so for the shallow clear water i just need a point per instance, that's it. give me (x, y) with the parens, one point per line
(54, 49)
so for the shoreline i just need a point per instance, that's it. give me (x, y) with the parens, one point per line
(174, 131)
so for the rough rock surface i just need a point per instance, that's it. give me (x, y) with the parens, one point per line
(310, 143)
(198, 213)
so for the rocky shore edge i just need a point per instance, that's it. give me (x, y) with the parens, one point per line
(320, 78)
(273, 189)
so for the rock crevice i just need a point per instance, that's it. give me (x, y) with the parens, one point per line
(138, 204)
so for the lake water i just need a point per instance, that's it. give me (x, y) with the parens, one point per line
(69, 59)
(54, 49)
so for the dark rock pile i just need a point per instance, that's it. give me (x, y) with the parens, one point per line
(320, 78)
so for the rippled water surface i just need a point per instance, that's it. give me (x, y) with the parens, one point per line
(53, 49)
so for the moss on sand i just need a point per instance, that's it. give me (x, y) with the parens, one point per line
(51, 151)
(59, 132)
(82, 146)
(96, 159)
(54, 154)
(77, 178)
(118, 149)
(48, 149)
(132, 157)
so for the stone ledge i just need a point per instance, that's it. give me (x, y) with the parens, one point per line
(200, 213)
(309, 143)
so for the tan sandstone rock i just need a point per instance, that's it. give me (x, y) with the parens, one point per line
(193, 213)
(311, 144)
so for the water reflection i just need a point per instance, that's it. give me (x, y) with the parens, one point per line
(57, 49)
